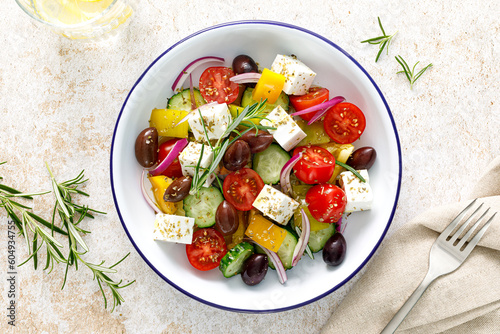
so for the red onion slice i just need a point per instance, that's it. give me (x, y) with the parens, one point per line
(321, 112)
(250, 77)
(286, 187)
(275, 259)
(191, 67)
(145, 193)
(324, 105)
(303, 240)
(174, 153)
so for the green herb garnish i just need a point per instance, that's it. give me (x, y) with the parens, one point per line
(352, 170)
(256, 110)
(383, 41)
(410, 74)
(39, 232)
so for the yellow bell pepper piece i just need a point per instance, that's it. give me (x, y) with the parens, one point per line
(341, 152)
(300, 192)
(269, 86)
(160, 183)
(315, 133)
(237, 237)
(165, 121)
(265, 233)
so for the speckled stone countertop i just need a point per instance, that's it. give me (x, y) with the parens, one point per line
(59, 100)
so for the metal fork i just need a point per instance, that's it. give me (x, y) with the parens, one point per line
(445, 257)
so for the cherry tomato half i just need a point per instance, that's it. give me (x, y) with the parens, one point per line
(316, 166)
(344, 123)
(242, 187)
(314, 96)
(326, 202)
(216, 86)
(175, 169)
(207, 249)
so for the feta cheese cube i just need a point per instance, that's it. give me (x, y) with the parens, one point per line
(359, 195)
(173, 228)
(190, 156)
(216, 117)
(298, 77)
(276, 205)
(288, 134)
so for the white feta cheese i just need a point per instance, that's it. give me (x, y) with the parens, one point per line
(359, 195)
(190, 157)
(276, 205)
(298, 77)
(173, 228)
(216, 117)
(288, 134)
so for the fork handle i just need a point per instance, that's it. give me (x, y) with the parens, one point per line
(408, 305)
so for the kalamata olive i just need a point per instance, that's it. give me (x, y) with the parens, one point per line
(237, 155)
(146, 147)
(255, 269)
(334, 250)
(226, 218)
(178, 190)
(362, 158)
(244, 64)
(258, 143)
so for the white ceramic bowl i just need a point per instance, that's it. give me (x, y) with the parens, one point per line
(310, 280)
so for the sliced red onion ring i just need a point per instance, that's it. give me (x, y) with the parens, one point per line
(275, 259)
(303, 240)
(145, 194)
(190, 68)
(286, 187)
(250, 77)
(191, 92)
(324, 105)
(341, 226)
(176, 149)
(321, 112)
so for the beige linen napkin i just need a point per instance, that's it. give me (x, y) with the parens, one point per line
(465, 301)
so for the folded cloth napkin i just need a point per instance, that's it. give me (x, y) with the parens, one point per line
(464, 301)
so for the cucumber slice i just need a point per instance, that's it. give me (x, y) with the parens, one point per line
(268, 163)
(247, 100)
(182, 100)
(232, 263)
(318, 239)
(202, 206)
(285, 252)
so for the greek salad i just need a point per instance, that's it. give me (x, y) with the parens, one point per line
(254, 168)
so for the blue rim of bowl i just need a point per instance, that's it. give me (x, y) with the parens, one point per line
(290, 26)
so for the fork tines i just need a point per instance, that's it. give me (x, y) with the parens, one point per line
(452, 238)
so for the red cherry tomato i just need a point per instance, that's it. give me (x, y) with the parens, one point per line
(207, 249)
(326, 202)
(316, 166)
(175, 169)
(242, 187)
(216, 86)
(314, 96)
(344, 123)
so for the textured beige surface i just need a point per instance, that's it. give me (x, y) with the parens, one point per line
(59, 101)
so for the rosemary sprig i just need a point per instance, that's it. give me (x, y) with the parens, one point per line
(27, 221)
(71, 216)
(383, 41)
(352, 170)
(256, 110)
(410, 74)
